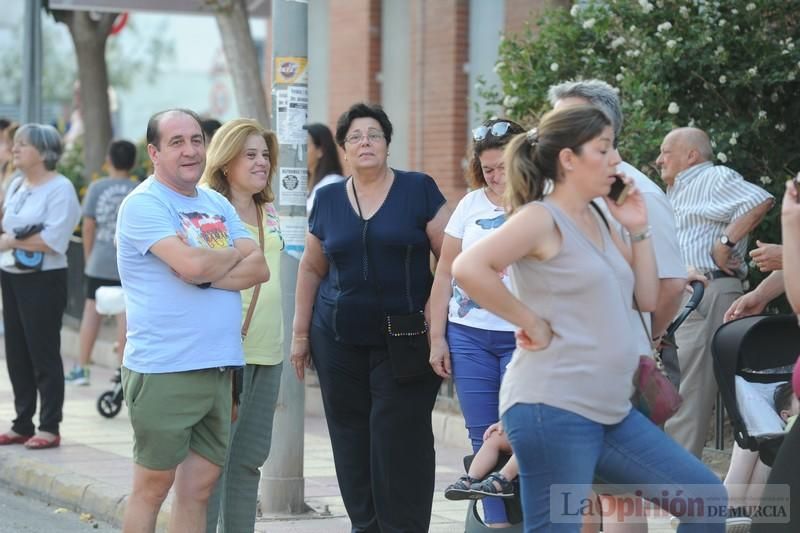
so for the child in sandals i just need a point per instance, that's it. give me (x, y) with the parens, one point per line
(476, 483)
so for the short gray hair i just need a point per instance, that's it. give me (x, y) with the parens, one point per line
(45, 139)
(596, 92)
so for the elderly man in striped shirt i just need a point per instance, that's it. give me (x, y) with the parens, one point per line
(715, 210)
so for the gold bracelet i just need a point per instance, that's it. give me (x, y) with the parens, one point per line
(300, 337)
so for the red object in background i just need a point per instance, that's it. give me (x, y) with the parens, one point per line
(119, 23)
(796, 378)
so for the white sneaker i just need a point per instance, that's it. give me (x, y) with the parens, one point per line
(740, 524)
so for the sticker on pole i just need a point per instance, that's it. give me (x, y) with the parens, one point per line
(291, 70)
(292, 189)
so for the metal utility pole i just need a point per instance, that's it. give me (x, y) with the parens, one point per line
(31, 107)
(282, 482)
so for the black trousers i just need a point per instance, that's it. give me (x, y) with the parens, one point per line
(785, 475)
(381, 435)
(33, 305)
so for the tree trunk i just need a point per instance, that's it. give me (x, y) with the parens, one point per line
(242, 60)
(89, 35)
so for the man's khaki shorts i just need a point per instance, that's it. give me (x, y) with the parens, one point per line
(174, 412)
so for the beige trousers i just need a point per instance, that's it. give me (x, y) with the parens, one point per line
(689, 426)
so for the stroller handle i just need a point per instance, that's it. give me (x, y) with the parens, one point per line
(698, 288)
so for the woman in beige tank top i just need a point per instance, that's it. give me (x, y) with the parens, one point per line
(565, 399)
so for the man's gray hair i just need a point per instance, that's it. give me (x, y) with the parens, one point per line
(45, 139)
(596, 92)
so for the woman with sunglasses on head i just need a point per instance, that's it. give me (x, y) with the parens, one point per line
(565, 399)
(467, 342)
(362, 285)
(324, 166)
(40, 212)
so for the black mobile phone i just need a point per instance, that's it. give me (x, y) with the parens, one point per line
(619, 190)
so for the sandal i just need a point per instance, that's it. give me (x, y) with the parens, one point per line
(42, 443)
(8, 438)
(495, 485)
(460, 490)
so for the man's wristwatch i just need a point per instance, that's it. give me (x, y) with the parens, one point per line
(726, 241)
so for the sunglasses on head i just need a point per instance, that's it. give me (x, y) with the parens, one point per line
(498, 129)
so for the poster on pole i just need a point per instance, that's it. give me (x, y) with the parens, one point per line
(291, 70)
(294, 234)
(292, 104)
(292, 186)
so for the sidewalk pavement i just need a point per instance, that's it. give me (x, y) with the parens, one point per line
(91, 471)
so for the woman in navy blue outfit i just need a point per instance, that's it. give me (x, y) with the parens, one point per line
(367, 257)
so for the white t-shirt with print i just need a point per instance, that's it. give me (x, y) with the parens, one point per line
(474, 218)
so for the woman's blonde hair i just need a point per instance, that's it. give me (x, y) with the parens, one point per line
(226, 145)
(532, 158)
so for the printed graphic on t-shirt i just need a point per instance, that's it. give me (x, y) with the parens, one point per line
(491, 223)
(274, 223)
(106, 211)
(465, 303)
(205, 231)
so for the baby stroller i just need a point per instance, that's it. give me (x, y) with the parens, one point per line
(110, 301)
(474, 524)
(752, 355)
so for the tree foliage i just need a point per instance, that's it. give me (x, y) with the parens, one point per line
(729, 67)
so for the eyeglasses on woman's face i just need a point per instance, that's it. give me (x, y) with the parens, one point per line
(498, 129)
(374, 136)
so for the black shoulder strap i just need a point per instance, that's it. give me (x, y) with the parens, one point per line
(600, 212)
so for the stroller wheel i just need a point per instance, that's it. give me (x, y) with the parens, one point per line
(106, 405)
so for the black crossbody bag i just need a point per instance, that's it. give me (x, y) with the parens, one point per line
(406, 334)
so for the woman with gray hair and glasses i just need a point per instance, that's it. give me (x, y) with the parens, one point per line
(40, 211)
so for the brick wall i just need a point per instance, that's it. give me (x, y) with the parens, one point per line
(438, 88)
(355, 54)
(520, 12)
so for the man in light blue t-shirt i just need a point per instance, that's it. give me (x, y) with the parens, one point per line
(183, 256)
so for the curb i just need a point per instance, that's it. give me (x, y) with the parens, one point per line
(57, 486)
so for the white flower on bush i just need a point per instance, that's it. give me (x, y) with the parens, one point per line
(499, 66)
(664, 26)
(638, 103)
(722, 22)
(733, 140)
(588, 24)
(620, 77)
(684, 11)
(735, 11)
(723, 79)
(673, 108)
(671, 43)
(765, 180)
(575, 10)
(773, 97)
(646, 6)
(791, 76)
(752, 71)
(510, 101)
(554, 67)
(691, 123)
(762, 114)
(632, 53)
(780, 126)
(619, 41)
(750, 7)
(722, 157)
(720, 49)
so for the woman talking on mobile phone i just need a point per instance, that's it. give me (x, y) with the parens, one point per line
(565, 400)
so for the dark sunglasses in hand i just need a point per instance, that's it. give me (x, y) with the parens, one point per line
(498, 129)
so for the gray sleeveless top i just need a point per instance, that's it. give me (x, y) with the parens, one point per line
(586, 294)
